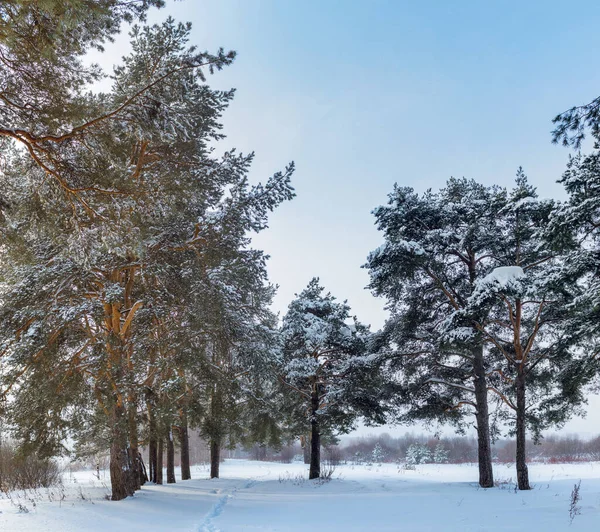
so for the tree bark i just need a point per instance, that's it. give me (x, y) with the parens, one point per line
(315, 439)
(216, 430)
(152, 444)
(137, 476)
(152, 459)
(122, 483)
(484, 447)
(159, 461)
(143, 471)
(306, 449)
(170, 458)
(184, 441)
(215, 458)
(521, 458)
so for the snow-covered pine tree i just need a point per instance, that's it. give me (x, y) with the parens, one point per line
(45, 106)
(573, 124)
(238, 345)
(92, 281)
(440, 454)
(437, 245)
(377, 455)
(523, 309)
(39, 30)
(574, 228)
(417, 453)
(326, 367)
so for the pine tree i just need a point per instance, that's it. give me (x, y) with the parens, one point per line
(571, 125)
(440, 454)
(97, 280)
(523, 310)
(377, 455)
(326, 367)
(573, 227)
(44, 105)
(437, 245)
(417, 453)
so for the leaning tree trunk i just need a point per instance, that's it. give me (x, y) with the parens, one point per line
(484, 447)
(184, 441)
(522, 471)
(122, 483)
(170, 458)
(159, 460)
(143, 471)
(315, 440)
(215, 457)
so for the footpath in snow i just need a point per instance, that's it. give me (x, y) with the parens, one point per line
(277, 497)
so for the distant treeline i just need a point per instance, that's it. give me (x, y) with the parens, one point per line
(458, 450)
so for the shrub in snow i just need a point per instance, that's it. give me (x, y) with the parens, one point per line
(574, 508)
(22, 472)
(358, 458)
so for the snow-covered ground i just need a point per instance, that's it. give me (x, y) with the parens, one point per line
(273, 496)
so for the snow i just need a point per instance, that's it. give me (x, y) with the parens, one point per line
(274, 496)
(460, 334)
(503, 276)
(501, 279)
(522, 202)
(410, 246)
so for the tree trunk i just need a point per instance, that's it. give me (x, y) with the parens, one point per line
(306, 449)
(315, 440)
(184, 441)
(216, 432)
(152, 444)
(484, 447)
(159, 461)
(215, 458)
(152, 459)
(522, 471)
(122, 484)
(170, 458)
(143, 471)
(137, 476)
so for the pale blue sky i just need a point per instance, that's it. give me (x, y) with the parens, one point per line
(362, 94)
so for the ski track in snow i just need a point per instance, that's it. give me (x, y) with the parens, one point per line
(207, 524)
